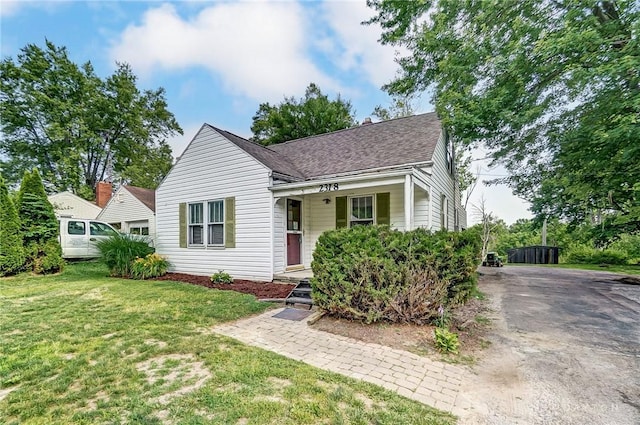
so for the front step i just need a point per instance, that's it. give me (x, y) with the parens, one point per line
(301, 294)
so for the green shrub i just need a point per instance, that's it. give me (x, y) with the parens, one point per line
(119, 252)
(374, 273)
(221, 277)
(587, 255)
(12, 256)
(47, 258)
(153, 265)
(446, 341)
(39, 226)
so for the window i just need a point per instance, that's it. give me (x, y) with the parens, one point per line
(361, 211)
(138, 230)
(100, 229)
(196, 224)
(212, 221)
(450, 154)
(76, 228)
(444, 213)
(215, 223)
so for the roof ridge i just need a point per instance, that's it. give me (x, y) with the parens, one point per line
(348, 129)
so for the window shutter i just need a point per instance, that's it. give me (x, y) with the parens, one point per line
(182, 218)
(341, 212)
(230, 222)
(383, 208)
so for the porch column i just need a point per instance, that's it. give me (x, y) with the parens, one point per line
(408, 202)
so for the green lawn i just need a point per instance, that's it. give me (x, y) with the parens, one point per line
(626, 269)
(83, 348)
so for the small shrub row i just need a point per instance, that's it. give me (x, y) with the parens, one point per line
(586, 255)
(374, 273)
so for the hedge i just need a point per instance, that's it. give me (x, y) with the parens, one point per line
(374, 273)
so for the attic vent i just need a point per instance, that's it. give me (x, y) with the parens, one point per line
(366, 121)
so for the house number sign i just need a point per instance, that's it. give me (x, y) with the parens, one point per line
(329, 187)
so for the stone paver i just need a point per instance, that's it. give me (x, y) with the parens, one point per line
(426, 381)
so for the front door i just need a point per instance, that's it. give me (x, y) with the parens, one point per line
(294, 232)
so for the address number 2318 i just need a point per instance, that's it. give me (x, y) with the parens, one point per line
(328, 187)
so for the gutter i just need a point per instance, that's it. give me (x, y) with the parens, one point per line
(375, 173)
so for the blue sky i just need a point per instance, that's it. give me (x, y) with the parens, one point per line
(219, 60)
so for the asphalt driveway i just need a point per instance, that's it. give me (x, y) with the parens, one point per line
(565, 350)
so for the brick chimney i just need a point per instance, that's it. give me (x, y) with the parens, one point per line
(103, 193)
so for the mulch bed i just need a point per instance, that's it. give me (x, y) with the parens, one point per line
(259, 289)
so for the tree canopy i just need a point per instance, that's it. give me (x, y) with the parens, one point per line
(77, 128)
(551, 88)
(293, 119)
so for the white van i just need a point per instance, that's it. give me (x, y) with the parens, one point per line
(79, 236)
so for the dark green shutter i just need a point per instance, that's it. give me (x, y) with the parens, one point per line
(182, 219)
(383, 208)
(230, 222)
(341, 212)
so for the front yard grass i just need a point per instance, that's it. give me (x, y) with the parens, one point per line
(84, 348)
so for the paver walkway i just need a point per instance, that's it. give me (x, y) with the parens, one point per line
(434, 383)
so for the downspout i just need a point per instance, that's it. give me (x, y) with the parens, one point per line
(430, 205)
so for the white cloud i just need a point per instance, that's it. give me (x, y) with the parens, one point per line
(257, 49)
(11, 7)
(8, 8)
(357, 48)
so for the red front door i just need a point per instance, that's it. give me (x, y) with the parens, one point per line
(294, 232)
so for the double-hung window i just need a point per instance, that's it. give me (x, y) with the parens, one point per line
(361, 211)
(215, 222)
(206, 216)
(196, 224)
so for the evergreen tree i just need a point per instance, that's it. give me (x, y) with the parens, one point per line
(40, 228)
(11, 250)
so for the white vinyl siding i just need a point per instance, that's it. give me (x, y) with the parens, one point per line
(213, 168)
(129, 213)
(66, 204)
(442, 184)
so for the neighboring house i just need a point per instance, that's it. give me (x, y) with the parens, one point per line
(132, 210)
(253, 211)
(66, 204)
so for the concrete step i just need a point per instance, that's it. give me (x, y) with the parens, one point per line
(299, 300)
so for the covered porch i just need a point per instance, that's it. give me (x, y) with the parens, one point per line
(304, 210)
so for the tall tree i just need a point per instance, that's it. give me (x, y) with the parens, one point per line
(75, 127)
(551, 88)
(401, 106)
(11, 250)
(292, 119)
(39, 226)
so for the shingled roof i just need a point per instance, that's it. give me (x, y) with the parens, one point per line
(388, 143)
(146, 196)
(269, 158)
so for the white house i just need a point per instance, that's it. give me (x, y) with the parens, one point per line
(132, 210)
(68, 204)
(253, 211)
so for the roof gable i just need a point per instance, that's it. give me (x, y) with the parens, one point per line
(267, 157)
(146, 196)
(395, 142)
